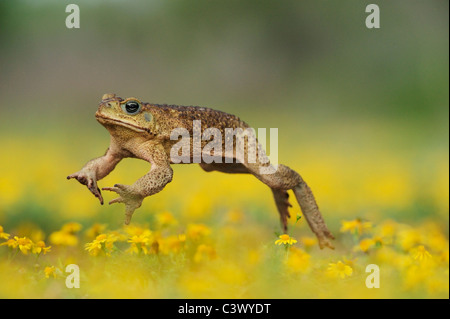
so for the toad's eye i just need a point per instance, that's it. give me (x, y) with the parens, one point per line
(132, 107)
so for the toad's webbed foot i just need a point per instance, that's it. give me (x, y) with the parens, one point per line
(88, 178)
(127, 195)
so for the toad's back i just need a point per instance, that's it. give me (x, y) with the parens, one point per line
(176, 116)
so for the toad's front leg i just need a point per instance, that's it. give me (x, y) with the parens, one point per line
(96, 169)
(159, 176)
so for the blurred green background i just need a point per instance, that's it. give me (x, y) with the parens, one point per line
(338, 92)
(242, 56)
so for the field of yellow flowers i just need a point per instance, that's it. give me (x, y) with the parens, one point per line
(212, 235)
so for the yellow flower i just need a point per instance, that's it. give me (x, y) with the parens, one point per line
(165, 219)
(139, 243)
(408, 238)
(11, 243)
(118, 236)
(2, 234)
(66, 236)
(63, 238)
(339, 269)
(40, 247)
(50, 271)
(141, 239)
(366, 244)
(355, 226)
(197, 231)
(285, 239)
(133, 230)
(24, 244)
(350, 262)
(93, 247)
(110, 239)
(420, 253)
(102, 242)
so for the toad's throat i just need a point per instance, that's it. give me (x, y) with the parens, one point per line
(124, 124)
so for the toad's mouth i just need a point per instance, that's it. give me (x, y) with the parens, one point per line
(118, 122)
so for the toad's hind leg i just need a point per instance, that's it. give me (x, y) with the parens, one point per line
(312, 214)
(282, 201)
(281, 179)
